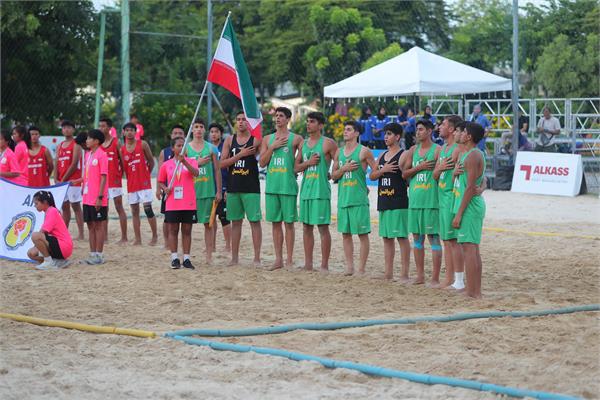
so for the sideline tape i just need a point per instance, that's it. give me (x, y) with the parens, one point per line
(530, 233)
(377, 371)
(78, 326)
(327, 326)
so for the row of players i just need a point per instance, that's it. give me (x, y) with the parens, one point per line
(442, 201)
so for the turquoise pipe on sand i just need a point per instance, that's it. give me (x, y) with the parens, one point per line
(376, 371)
(328, 326)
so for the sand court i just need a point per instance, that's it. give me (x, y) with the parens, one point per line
(136, 289)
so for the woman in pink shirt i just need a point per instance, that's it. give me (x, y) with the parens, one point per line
(53, 243)
(22, 146)
(176, 181)
(9, 167)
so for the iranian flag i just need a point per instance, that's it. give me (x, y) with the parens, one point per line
(229, 70)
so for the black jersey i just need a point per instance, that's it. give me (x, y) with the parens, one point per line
(391, 188)
(243, 174)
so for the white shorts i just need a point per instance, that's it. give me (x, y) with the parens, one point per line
(74, 194)
(114, 192)
(141, 196)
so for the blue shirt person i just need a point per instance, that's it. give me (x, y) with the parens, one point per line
(378, 122)
(482, 120)
(366, 136)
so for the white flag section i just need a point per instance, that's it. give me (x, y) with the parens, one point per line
(19, 218)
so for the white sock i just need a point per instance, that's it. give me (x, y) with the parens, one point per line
(186, 257)
(92, 254)
(459, 276)
(174, 256)
(47, 259)
(99, 254)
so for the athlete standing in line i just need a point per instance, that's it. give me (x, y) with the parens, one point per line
(354, 217)
(137, 164)
(41, 163)
(243, 187)
(392, 202)
(278, 154)
(315, 193)
(215, 131)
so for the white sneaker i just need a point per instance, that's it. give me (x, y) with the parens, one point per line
(62, 263)
(47, 265)
(100, 260)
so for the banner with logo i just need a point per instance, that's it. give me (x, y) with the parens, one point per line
(547, 173)
(19, 218)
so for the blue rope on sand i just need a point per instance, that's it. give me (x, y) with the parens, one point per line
(183, 335)
(329, 326)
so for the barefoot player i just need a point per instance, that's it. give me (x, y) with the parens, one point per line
(243, 188)
(315, 192)
(392, 202)
(354, 217)
(278, 154)
(423, 216)
(469, 206)
(137, 164)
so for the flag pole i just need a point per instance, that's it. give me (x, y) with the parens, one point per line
(185, 142)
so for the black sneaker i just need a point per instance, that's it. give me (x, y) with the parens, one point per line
(176, 264)
(188, 264)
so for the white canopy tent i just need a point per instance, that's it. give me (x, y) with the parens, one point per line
(417, 72)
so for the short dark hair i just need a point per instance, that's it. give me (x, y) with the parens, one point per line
(173, 141)
(354, 124)
(286, 111)
(33, 128)
(45, 196)
(454, 120)
(178, 126)
(216, 125)
(80, 138)
(130, 125)
(475, 130)
(317, 116)
(133, 115)
(460, 125)
(199, 121)
(426, 123)
(67, 122)
(96, 134)
(108, 121)
(240, 112)
(393, 127)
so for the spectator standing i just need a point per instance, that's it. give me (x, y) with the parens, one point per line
(366, 136)
(139, 128)
(409, 127)
(482, 120)
(547, 128)
(378, 122)
(401, 115)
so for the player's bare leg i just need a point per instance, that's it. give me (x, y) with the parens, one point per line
(135, 218)
(348, 253)
(290, 237)
(449, 263)
(78, 218)
(389, 250)
(208, 241)
(419, 254)
(236, 236)
(277, 230)
(436, 256)
(309, 245)
(459, 266)
(472, 269)
(325, 247)
(364, 253)
(256, 229)
(122, 218)
(405, 259)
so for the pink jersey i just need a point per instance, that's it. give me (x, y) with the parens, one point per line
(113, 132)
(55, 226)
(139, 131)
(183, 185)
(22, 154)
(9, 163)
(95, 165)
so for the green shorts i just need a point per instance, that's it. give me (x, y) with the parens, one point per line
(355, 220)
(470, 229)
(203, 209)
(393, 223)
(281, 207)
(243, 204)
(315, 211)
(447, 232)
(424, 221)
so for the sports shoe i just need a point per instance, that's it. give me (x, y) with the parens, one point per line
(100, 260)
(62, 263)
(47, 265)
(176, 264)
(188, 264)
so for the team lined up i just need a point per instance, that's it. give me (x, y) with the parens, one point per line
(442, 199)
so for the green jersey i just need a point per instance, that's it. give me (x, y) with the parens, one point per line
(423, 191)
(204, 183)
(476, 206)
(281, 178)
(352, 186)
(315, 183)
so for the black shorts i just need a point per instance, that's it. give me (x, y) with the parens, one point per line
(163, 205)
(53, 247)
(90, 214)
(222, 213)
(181, 217)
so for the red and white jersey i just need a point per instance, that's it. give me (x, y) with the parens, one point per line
(115, 174)
(38, 169)
(136, 168)
(64, 159)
